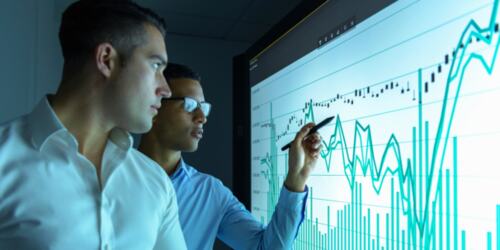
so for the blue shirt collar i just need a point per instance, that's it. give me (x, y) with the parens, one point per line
(182, 169)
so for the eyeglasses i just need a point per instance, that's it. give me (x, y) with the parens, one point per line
(190, 104)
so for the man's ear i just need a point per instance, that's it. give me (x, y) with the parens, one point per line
(106, 58)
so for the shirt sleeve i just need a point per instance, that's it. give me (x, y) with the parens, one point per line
(170, 235)
(240, 230)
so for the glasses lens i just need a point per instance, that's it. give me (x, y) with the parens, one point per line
(205, 108)
(190, 104)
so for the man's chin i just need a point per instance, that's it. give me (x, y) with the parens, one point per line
(140, 128)
(190, 148)
(136, 127)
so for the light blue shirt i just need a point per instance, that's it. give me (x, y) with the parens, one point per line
(51, 197)
(207, 209)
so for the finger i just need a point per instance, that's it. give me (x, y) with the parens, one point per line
(303, 133)
(313, 140)
(312, 148)
(313, 137)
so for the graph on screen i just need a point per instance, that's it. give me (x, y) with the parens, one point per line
(410, 160)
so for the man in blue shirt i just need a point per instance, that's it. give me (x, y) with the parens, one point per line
(69, 177)
(207, 209)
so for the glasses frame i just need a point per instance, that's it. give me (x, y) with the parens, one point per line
(198, 104)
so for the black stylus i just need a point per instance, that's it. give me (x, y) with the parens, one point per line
(312, 131)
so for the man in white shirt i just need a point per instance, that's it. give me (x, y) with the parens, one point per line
(69, 178)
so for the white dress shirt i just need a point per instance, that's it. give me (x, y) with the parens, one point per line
(51, 197)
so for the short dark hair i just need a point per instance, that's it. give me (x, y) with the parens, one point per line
(88, 23)
(175, 70)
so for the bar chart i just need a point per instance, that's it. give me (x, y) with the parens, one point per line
(410, 160)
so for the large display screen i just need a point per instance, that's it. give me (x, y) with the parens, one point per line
(411, 160)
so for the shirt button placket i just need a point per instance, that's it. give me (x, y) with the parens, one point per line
(106, 225)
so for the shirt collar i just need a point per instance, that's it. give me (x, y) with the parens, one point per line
(182, 169)
(44, 123)
(121, 138)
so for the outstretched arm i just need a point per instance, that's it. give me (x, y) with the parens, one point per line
(240, 230)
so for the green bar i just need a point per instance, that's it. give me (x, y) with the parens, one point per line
(488, 240)
(360, 209)
(410, 214)
(369, 229)
(440, 190)
(339, 225)
(348, 225)
(403, 239)
(414, 163)
(397, 219)
(392, 215)
(345, 227)
(301, 242)
(463, 240)
(335, 241)
(328, 225)
(309, 230)
(332, 240)
(321, 236)
(364, 232)
(325, 244)
(498, 227)
(325, 241)
(448, 212)
(314, 241)
(304, 236)
(316, 234)
(455, 192)
(342, 229)
(311, 240)
(378, 232)
(433, 229)
(420, 165)
(354, 217)
(427, 174)
(387, 236)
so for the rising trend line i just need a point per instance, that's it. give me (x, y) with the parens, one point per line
(364, 154)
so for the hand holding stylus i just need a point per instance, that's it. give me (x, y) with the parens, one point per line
(303, 155)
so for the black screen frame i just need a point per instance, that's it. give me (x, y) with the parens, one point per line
(345, 15)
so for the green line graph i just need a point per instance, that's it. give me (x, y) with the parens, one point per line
(423, 188)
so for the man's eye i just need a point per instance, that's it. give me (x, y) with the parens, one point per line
(157, 65)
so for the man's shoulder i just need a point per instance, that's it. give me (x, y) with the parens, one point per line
(145, 163)
(14, 127)
(141, 158)
(14, 135)
(201, 176)
(206, 179)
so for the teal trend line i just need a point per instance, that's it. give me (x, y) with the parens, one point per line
(363, 157)
(363, 150)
